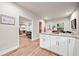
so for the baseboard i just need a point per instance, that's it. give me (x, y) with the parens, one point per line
(35, 39)
(7, 50)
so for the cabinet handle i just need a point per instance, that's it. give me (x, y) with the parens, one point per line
(43, 39)
(58, 43)
(69, 41)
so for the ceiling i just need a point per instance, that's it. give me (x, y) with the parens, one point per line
(50, 10)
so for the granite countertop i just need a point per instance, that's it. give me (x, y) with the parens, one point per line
(63, 34)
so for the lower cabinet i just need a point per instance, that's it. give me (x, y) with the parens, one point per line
(77, 48)
(59, 45)
(54, 44)
(65, 46)
(71, 46)
(62, 46)
(45, 42)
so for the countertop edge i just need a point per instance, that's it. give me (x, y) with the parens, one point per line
(77, 36)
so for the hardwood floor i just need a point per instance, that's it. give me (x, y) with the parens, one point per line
(29, 48)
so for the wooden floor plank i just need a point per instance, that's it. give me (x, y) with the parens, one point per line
(29, 48)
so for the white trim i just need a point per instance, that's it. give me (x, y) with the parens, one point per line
(8, 50)
(35, 38)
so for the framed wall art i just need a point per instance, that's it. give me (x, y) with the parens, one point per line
(4, 19)
(73, 24)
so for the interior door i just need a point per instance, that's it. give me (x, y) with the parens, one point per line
(40, 27)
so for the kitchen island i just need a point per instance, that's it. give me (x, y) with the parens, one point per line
(62, 44)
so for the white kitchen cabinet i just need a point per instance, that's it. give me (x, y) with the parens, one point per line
(66, 46)
(77, 47)
(54, 45)
(59, 45)
(62, 46)
(45, 41)
(71, 46)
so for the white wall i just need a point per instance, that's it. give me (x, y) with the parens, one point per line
(75, 15)
(36, 34)
(9, 34)
(35, 31)
(64, 20)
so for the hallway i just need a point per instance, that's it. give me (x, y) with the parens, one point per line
(29, 48)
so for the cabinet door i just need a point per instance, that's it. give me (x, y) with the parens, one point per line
(71, 46)
(42, 38)
(77, 47)
(45, 41)
(54, 46)
(63, 46)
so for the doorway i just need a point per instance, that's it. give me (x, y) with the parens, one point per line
(42, 26)
(25, 30)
